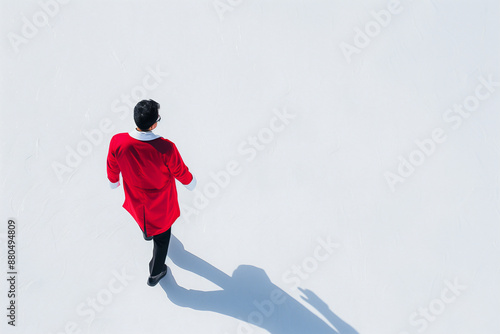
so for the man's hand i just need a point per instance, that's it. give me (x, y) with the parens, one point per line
(191, 185)
(114, 185)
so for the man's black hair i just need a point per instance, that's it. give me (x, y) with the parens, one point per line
(146, 114)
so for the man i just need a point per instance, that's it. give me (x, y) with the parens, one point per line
(149, 165)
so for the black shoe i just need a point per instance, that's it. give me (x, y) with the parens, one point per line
(153, 280)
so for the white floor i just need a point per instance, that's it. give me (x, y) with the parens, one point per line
(347, 154)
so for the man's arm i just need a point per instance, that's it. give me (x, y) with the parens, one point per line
(113, 170)
(179, 169)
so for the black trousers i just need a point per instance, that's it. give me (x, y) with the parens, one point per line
(160, 249)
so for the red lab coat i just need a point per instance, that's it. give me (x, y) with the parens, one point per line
(148, 170)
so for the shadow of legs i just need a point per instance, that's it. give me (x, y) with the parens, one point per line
(188, 261)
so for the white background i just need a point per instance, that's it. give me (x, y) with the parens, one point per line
(322, 176)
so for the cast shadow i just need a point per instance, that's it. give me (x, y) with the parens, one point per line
(250, 296)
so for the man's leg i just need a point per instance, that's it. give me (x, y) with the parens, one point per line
(160, 249)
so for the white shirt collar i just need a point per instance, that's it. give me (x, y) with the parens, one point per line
(143, 135)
